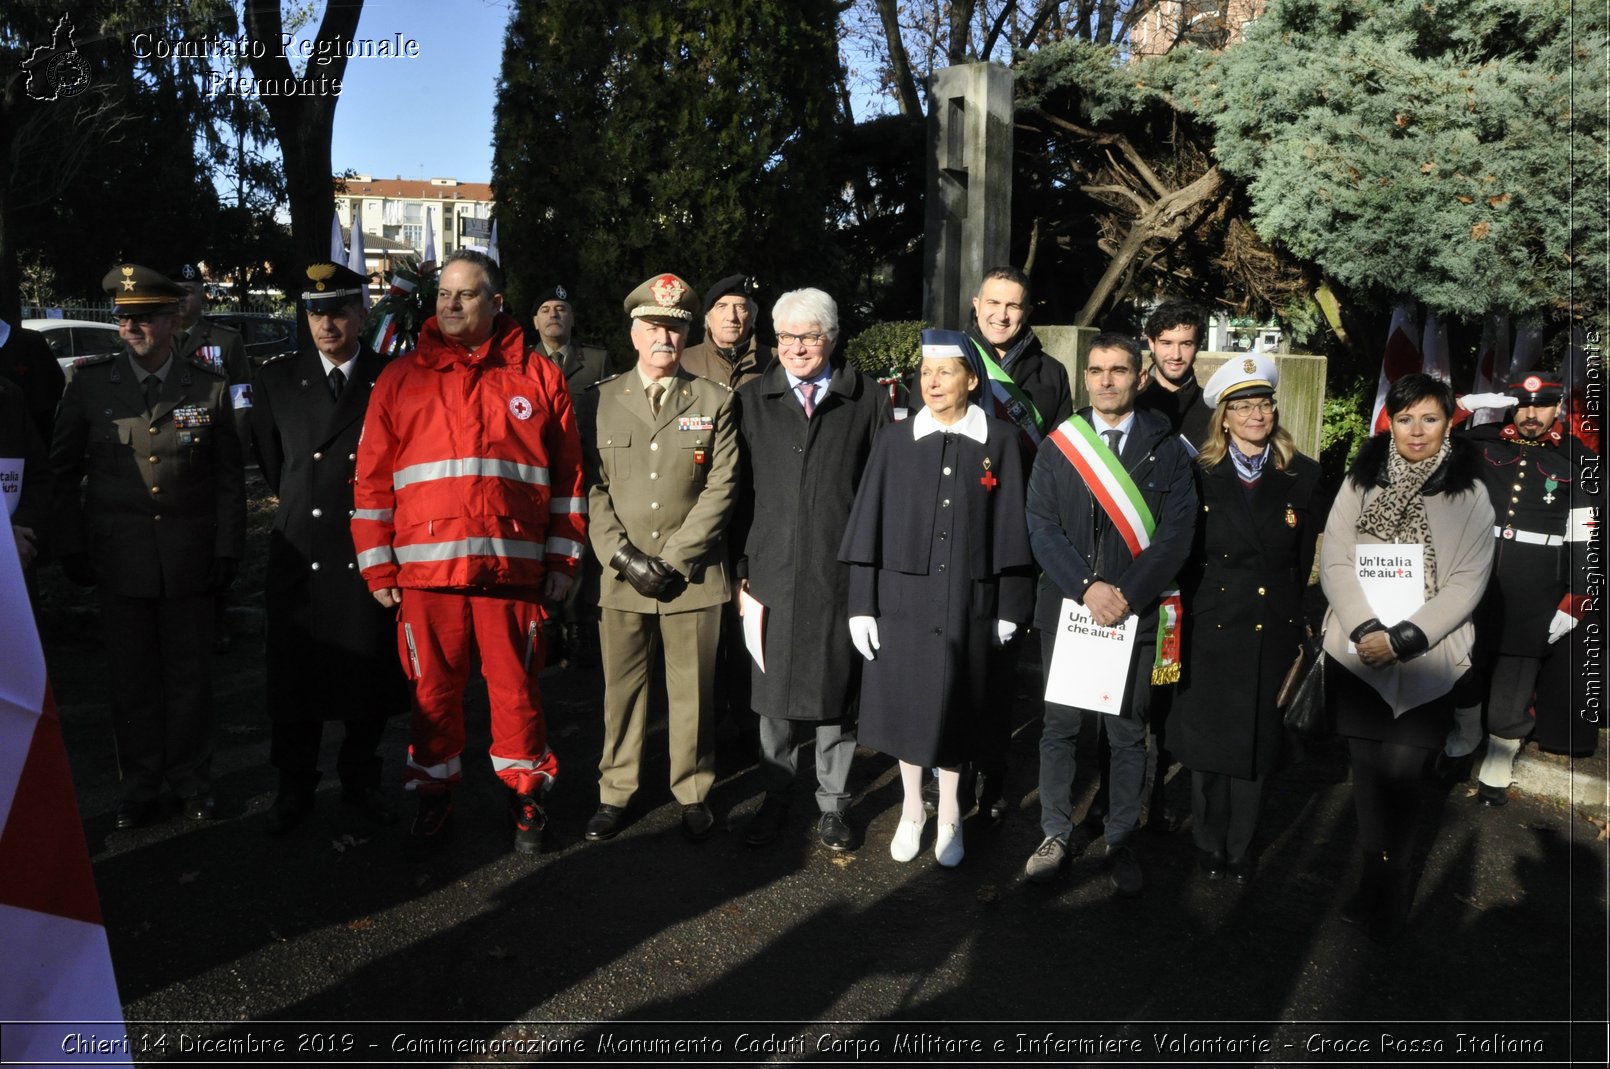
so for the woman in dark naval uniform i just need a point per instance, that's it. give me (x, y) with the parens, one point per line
(1243, 587)
(940, 570)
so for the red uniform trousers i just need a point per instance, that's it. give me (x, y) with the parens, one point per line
(437, 632)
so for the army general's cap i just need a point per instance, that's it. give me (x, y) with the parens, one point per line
(1534, 390)
(137, 290)
(331, 285)
(1253, 375)
(555, 292)
(732, 285)
(662, 297)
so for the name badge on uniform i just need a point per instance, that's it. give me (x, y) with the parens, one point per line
(698, 456)
(188, 416)
(695, 423)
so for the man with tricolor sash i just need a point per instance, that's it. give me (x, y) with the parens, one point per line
(1111, 510)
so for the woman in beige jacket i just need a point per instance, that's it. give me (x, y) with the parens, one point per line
(1408, 548)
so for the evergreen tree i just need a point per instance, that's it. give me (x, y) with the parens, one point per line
(651, 135)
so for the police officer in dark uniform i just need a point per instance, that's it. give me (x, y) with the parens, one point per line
(159, 527)
(1532, 465)
(332, 650)
(553, 317)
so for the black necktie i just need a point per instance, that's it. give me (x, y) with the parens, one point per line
(151, 387)
(1112, 440)
(337, 382)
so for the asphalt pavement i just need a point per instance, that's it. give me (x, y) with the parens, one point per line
(327, 947)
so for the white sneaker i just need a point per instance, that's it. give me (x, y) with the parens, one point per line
(948, 846)
(907, 841)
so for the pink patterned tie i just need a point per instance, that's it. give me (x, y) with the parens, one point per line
(807, 392)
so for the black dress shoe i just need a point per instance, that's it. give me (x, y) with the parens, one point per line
(834, 832)
(1162, 821)
(1123, 871)
(697, 821)
(291, 807)
(1211, 862)
(1491, 796)
(368, 803)
(1240, 869)
(768, 822)
(201, 807)
(991, 796)
(605, 823)
(134, 814)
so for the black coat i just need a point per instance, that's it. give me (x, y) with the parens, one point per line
(1063, 519)
(1243, 591)
(1186, 409)
(940, 553)
(332, 649)
(800, 478)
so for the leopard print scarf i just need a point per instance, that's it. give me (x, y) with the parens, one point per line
(1397, 513)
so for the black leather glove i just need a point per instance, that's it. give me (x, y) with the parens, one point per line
(668, 575)
(1365, 628)
(77, 568)
(221, 574)
(1407, 640)
(639, 569)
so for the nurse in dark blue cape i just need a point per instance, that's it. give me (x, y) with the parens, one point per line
(940, 570)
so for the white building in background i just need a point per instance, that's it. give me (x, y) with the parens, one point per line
(395, 210)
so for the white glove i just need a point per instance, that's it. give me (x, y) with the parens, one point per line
(1560, 626)
(1004, 630)
(1475, 402)
(864, 636)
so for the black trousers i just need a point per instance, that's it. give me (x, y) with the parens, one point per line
(1224, 812)
(294, 749)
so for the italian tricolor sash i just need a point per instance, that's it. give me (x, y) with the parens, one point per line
(1121, 500)
(1011, 403)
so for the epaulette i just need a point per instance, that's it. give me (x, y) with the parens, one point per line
(276, 359)
(611, 378)
(210, 362)
(91, 361)
(712, 382)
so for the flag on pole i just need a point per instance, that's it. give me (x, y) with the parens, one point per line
(1434, 349)
(492, 244)
(430, 241)
(356, 258)
(56, 965)
(338, 247)
(1492, 365)
(1402, 357)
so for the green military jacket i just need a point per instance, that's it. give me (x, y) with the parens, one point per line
(668, 485)
(154, 496)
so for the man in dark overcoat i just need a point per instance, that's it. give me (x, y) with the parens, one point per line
(1087, 553)
(1527, 623)
(160, 527)
(332, 649)
(26, 359)
(807, 426)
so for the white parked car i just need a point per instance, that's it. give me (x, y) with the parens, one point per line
(72, 338)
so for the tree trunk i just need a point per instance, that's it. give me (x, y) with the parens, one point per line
(304, 122)
(905, 86)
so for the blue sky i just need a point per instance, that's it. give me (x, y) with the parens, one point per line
(429, 117)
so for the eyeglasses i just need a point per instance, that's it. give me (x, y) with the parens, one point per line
(1263, 406)
(810, 341)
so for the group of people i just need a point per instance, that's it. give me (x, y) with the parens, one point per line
(766, 532)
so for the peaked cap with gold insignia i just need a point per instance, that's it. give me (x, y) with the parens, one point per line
(137, 290)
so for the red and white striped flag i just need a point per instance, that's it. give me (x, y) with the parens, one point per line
(1528, 349)
(1402, 357)
(55, 965)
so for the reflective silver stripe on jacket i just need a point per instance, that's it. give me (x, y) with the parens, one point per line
(469, 547)
(567, 504)
(461, 467)
(380, 555)
(378, 515)
(564, 547)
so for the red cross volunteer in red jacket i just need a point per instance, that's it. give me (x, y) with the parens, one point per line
(469, 513)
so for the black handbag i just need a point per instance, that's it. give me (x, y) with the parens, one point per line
(1304, 703)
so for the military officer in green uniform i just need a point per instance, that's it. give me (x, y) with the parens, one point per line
(159, 526)
(203, 339)
(663, 466)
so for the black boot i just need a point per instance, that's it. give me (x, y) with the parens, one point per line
(293, 803)
(1361, 907)
(1391, 914)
